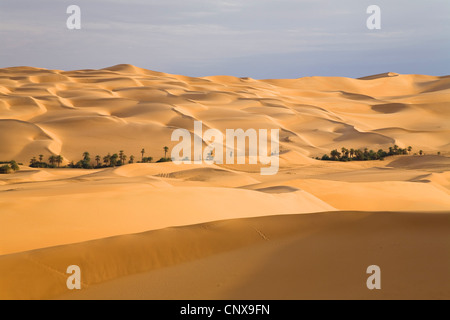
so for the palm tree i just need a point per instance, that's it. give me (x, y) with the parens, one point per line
(131, 159)
(345, 152)
(335, 154)
(121, 156)
(52, 159)
(359, 154)
(352, 152)
(41, 157)
(107, 159)
(97, 159)
(59, 159)
(33, 161)
(421, 152)
(143, 152)
(166, 149)
(113, 159)
(409, 149)
(86, 157)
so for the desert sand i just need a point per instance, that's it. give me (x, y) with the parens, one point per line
(167, 231)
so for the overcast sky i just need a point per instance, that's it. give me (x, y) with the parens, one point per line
(254, 38)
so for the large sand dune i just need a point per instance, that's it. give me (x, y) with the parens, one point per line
(69, 112)
(161, 230)
(316, 256)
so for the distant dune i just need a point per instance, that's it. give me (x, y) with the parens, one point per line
(69, 112)
(197, 231)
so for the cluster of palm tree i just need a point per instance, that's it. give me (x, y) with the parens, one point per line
(9, 167)
(145, 159)
(365, 154)
(53, 161)
(110, 160)
(150, 159)
(165, 159)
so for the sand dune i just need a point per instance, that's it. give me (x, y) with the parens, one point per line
(72, 205)
(109, 202)
(284, 257)
(164, 231)
(131, 105)
(427, 163)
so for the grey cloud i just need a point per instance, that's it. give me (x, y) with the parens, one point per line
(257, 38)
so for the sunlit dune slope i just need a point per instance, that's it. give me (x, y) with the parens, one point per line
(128, 108)
(43, 208)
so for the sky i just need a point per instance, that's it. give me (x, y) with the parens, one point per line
(249, 38)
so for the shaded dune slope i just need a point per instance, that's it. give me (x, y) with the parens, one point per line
(283, 257)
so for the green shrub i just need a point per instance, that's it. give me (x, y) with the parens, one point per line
(5, 169)
(14, 165)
